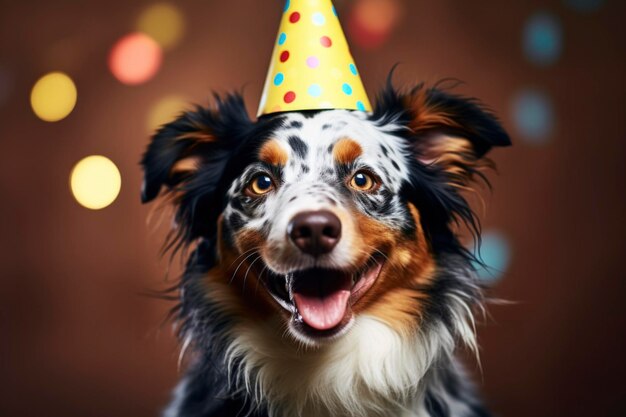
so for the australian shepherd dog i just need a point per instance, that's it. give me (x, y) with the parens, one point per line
(326, 276)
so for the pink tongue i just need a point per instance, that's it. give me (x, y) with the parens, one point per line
(322, 313)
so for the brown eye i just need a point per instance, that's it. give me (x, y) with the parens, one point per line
(362, 181)
(260, 185)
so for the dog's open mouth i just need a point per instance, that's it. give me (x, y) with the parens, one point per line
(321, 299)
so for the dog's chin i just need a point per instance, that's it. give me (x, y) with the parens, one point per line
(319, 302)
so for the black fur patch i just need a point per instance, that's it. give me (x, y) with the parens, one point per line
(299, 147)
(236, 221)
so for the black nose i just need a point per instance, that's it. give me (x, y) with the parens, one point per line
(315, 232)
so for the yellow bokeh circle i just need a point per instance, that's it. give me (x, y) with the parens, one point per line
(95, 182)
(53, 97)
(165, 110)
(164, 23)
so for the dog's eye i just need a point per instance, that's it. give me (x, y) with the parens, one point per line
(362, 181)
(260, 185)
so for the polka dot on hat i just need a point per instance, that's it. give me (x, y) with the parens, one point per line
(318, 19)
(290, 97)
(312, 62)
(315, 90)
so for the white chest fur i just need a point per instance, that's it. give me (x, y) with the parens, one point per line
(372, 371)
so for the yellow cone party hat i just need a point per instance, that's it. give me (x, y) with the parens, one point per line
(311, 67)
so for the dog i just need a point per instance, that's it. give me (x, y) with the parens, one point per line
(325, 274)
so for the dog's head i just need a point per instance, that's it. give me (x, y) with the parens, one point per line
(318, 217)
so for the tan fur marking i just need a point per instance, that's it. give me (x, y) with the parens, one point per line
(197, 136)
(170, 197)
(394, 298)
(346, 151)
(200, 135)
(273, 153)
(454, 155)
(186, 165)
(427, 116)
(238, 274)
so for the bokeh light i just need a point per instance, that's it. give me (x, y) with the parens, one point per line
(95, 182)
(135, 59)
(533, 115)
(542, 39)
(53, 97)
(6, 84)
(164, 23)
(371, 22)
(164, 111)
(584, 6)
(495, 253)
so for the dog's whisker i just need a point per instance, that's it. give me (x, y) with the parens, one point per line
(230, 281)
(254, 249)
(256, 288)
(248, 270)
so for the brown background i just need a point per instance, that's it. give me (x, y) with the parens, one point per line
(78, 339)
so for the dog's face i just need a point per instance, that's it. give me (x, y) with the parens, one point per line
(319, 217)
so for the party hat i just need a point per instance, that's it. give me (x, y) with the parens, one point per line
(311, 67)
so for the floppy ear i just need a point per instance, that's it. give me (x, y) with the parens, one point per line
(452, 133)
(175, 152)
(202, 138)
(189, 158)
(449, 136)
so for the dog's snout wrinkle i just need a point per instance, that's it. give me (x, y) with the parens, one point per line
(315, 232)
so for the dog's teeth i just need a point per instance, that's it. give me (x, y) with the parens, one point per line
(288, 279)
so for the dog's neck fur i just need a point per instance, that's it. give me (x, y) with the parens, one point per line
(372, 371)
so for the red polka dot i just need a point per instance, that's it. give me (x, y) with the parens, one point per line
(294, 17)
(326, 42)
(290, 97)
(284, 56)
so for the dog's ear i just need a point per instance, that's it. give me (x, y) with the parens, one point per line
(175, 153)
(191, 158)
(203, 137)
(451, 133)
